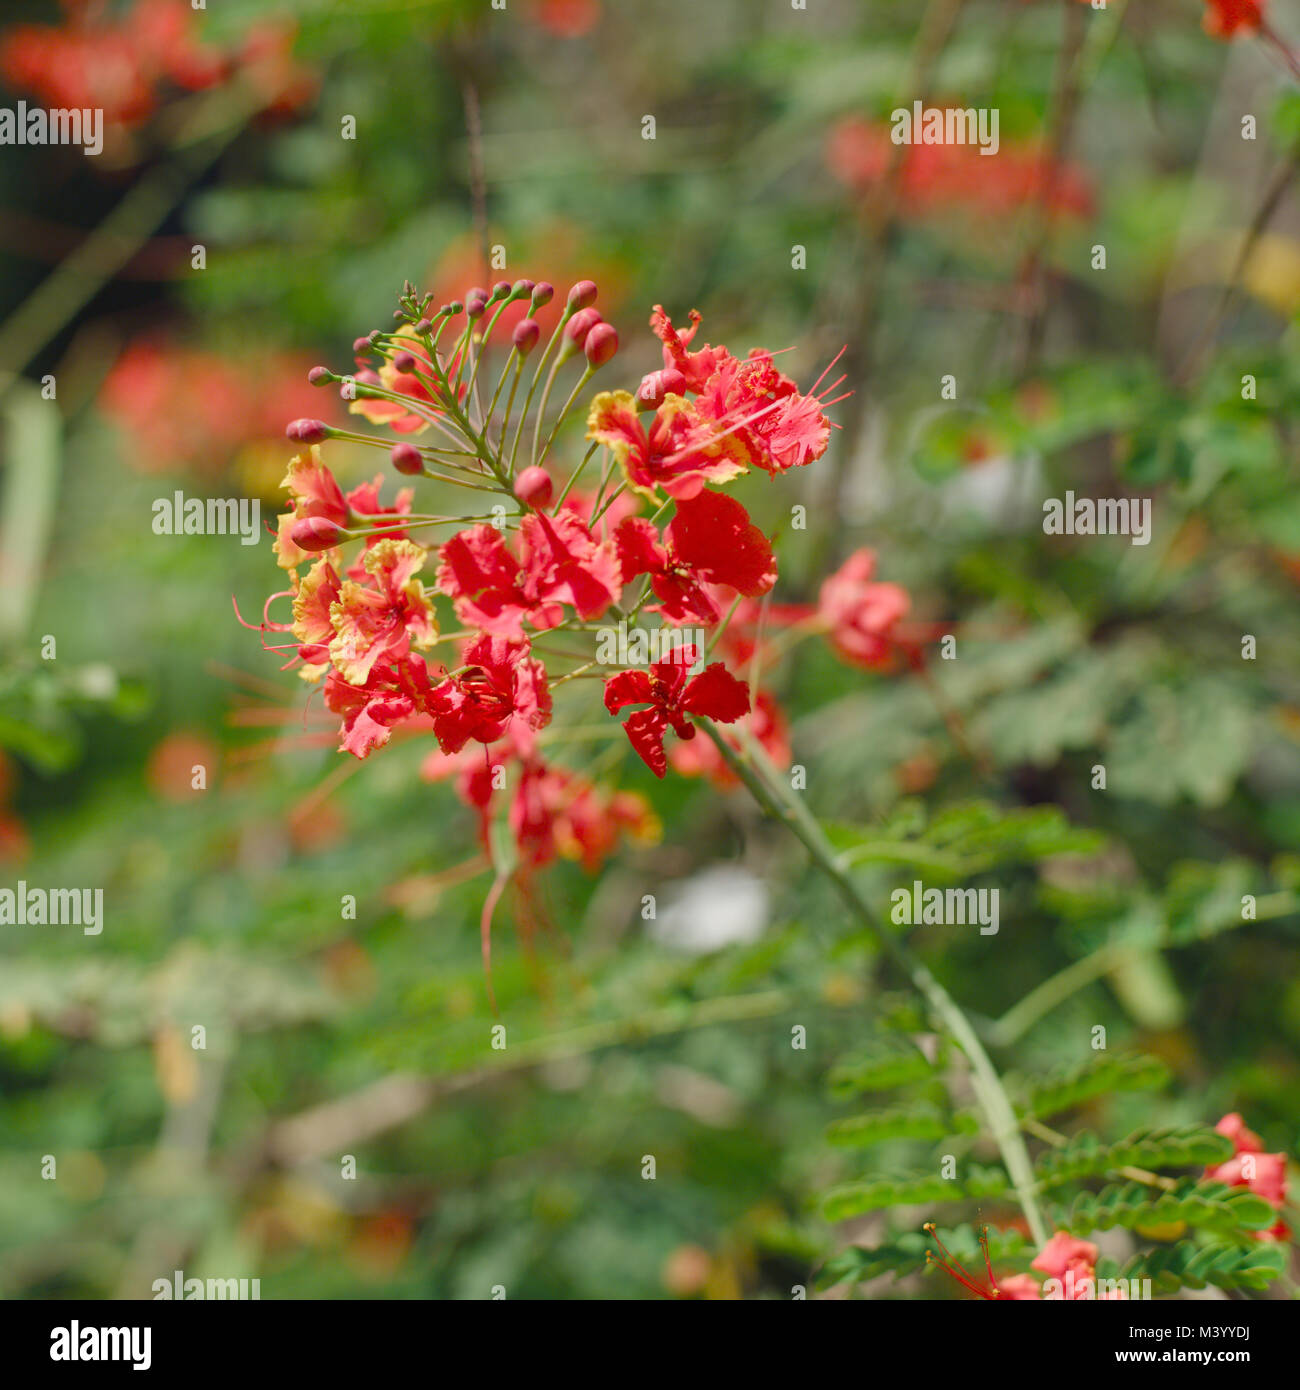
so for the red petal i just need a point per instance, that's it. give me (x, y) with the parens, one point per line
(646, 730)
(713, 534)
(627, 688)
(717, 693)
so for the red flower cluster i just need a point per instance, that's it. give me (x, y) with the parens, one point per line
(531, 578)
(126, 63)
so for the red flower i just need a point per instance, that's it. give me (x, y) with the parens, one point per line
(501, 687)
(312, 626)
(680, 451)
(710, 540)
(776, 426)
(861, 615)
(382, 619)
(1225, 19)
(672, 699)
(560, 562)
(1263, 1173)
(696, 367)
(556, 812)
(390, 695)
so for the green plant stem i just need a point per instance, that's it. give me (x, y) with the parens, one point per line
(1041, 1000)
(988, 1086)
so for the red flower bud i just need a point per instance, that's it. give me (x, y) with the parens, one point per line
(525, 336)
(361, 345)
(315, 533)
(423, 327)
(404, 362)
(522, 289)
(601, 344)
(582, 294)
(533, 487)
(307, 431)
(320, 376)
(501, 290)
(543, 293)
(577, 328)
(475, 305)
(674, 382)
(407, 459)
(650, 393)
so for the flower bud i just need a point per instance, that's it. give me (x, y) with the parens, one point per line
(407, 459)
(475, 304)
(650, 393)
(404, 362)
(424, 326)
(501, 290)
(577, 328)
(525, 336)
(361, 345)
(522, 289)
(315, 533)
(583, 294)
(533, 487)
(543, 293)
(674, 382)
(601, 344)
(307, 431)
(454, 308)
(320, 376)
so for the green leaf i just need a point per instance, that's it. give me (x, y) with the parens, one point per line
(881, 1070)
(873, 1194)
(1096, 1077)
(878, 1126)
(1214, 1205)
(1192, 1146)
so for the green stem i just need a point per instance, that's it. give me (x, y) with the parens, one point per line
(988, 1086)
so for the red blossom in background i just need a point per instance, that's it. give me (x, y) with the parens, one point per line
(189, 409)
(860, 614)
(937, 179)
(128, 64)
(1225, 19)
